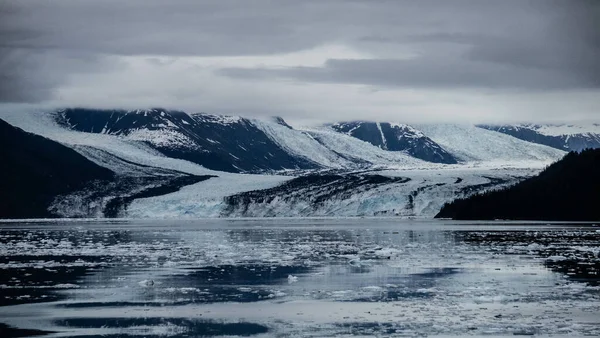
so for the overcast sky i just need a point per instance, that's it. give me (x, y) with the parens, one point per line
(309, 60)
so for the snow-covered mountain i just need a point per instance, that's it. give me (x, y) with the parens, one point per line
(201, 165)
(237, 144)
(560, 136)
(40, 177)
(228, 143)
(224, 143)
(396, 137)
(472, 144)
(336, 150)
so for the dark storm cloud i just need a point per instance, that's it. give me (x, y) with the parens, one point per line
(548, 46)
(40, 39)
(17, 83)
(157, 27)
(569, 45)
(508, 44)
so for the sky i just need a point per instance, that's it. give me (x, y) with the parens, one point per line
(473, 61)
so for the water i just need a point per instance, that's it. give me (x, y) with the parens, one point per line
(290, 278)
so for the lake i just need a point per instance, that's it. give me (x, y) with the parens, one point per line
(298, 277)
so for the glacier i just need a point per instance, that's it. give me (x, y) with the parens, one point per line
(420, 194)
(475, 144)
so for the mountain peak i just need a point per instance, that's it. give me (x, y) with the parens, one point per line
(279, 120)
(396, 137)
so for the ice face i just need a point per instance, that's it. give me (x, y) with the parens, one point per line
(419, 193)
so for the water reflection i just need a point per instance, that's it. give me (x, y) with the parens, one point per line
(97, 281)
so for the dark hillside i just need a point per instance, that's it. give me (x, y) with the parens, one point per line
(33, 170)
(568, 190)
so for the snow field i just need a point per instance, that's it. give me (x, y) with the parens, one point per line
(476, 144)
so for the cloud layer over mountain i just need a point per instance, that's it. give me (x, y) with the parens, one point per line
(413, 61)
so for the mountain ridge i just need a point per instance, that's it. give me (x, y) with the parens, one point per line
(35, 170)
(214, 141)
(563, 137)
(243, 145)
(396, 137)
(149, 149)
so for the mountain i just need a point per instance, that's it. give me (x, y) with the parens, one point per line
(396, 137)
(472, 144)
(223, 143)
(564, 137)
(176, 164)
(34, 170)
(242, 145)
(231, 144)
(335, 150)
(42, 178)
(568, 190)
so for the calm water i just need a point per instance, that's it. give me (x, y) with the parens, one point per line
(289, 278)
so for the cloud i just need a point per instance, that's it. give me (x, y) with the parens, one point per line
(156, 27)
(430, 72)
(550, 47)
(461, 59)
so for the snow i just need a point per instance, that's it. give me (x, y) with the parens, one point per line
(41, 123)
(563, 129)
(353, 148)
(474, 144)
(332, 149)
(221, 119)
(118, 165)
(203, 199)
(421, 197)
(486, 154)
(383, 140)
(301, 144)
(323, 145)
(414, 133)
(161, 137)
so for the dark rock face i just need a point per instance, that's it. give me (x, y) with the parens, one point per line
(366, 131)
(397, 138)
(568, 190)
(34, 170)
(575, 142)
(281, 121)
(216, 142)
